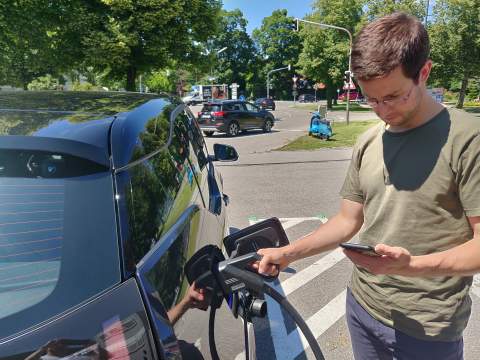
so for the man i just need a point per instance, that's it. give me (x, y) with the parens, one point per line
(413, 189)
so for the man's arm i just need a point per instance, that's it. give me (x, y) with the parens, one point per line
(461, 260)
(194, 298)
(338, 229)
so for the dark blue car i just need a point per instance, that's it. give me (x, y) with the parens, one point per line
(103, 199)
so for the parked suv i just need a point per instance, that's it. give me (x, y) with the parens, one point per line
(265, 103)
(104, 197)
(232, 116)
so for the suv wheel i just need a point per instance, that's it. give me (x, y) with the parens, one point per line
(208, 133)
(267, 126)
(233, 129)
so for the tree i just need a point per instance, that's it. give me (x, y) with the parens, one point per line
(324, 57)
(279, 46)
(455, 38)
(234, 63)
(377, 8)
(133, 37)
(33, 39)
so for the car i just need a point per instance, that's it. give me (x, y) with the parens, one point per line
(354, 96)
(232, 117)
(303, 98)
(104, 198)
(265, 103)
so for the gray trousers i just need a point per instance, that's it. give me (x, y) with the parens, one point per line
(372, 340)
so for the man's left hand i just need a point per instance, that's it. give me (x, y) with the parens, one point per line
(393, 260)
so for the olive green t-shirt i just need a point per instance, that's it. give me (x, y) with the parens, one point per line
(417, 189)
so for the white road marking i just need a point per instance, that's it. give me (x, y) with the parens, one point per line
(320, 322)
(311, 272)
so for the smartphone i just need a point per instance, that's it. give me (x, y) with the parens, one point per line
(364, 249)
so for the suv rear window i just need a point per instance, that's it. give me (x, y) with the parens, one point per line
(57, 235)
(211, 107)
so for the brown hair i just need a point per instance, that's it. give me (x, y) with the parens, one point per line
(390, 41)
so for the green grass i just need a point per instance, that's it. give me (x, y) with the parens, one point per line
(354, 107)
(343, 136)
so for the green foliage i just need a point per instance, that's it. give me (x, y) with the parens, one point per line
(235, 63)
(85, 86)
(44, 83)
(279, 46)
(159, 81)
(378, 8)
(455, 38)
(133, 37)
(118, 38)
(324, 57)
(36, 38)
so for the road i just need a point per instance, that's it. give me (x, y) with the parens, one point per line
(301, 188)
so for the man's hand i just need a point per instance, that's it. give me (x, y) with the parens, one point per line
(196, 298)
(393, 260)
(273, 261)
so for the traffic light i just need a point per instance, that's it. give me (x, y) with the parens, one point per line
(294, 24)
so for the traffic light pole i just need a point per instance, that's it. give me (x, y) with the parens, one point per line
(349, 75)
(271, 72)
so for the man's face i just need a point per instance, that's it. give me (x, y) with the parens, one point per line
(394, 98)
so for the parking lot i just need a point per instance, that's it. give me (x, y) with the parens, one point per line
(302, 189)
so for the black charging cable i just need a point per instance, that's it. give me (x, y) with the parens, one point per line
(232, 275)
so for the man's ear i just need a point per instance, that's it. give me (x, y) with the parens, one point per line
(425, 71)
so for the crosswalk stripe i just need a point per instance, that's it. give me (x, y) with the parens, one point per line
(311, 272)
(320, 322)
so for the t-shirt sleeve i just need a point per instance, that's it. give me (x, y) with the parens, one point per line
(468, 178)
(351, 186)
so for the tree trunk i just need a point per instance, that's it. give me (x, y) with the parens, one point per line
(131, 77)
(330, 96)
(463, 89)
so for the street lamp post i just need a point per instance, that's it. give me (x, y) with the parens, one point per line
(211, 67)
(271, 72)
(349, 75)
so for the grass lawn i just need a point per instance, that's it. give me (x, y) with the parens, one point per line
(343, 136)
(340, 107)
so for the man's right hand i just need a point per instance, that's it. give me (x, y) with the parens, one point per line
(273, 261)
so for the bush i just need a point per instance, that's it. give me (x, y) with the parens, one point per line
(85, 86)
(46, 82)
(159, 81)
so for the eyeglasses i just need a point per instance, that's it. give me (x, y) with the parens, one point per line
(391, 102)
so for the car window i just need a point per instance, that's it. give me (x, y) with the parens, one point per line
(58, 246)
(186, 126)
(211, 107)
(154, 193)
(251, 107)
(196, 138)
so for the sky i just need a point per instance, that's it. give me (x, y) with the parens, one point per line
(255, 10)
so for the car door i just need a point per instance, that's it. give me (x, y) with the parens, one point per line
(209, 181)
(255, 114)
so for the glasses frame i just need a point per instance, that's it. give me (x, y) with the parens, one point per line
(397, 100)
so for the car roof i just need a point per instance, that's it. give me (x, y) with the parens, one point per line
(71, 120)
(220, 102)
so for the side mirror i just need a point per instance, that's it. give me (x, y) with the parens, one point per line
(224, 153)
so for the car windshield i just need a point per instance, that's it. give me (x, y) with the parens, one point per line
(211, 107)
(57, 235)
